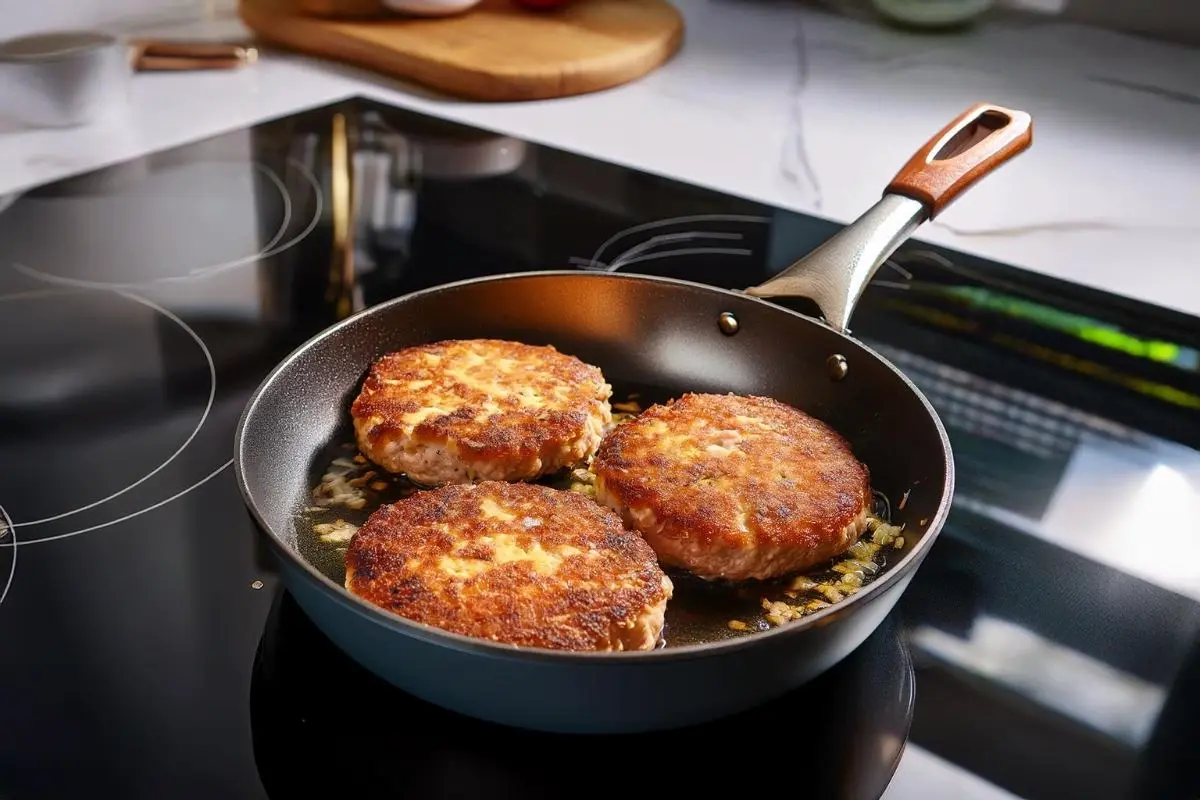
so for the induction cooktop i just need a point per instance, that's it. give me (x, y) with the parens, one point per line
(1048, 646)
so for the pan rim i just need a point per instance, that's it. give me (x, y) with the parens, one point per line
(483, 647)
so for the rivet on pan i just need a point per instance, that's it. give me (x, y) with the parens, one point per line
(728, 323)
(256, 585)
(837, 366)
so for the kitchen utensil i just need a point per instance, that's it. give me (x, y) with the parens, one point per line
(645, 331)
(430, 8)
(70, 78)
(153, 55)
(496, 51)
(932, 14)
(341, 9)
(65, 78)
(365, 9)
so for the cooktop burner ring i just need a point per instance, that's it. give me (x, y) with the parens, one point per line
(272, 248)
(640, 250)
(211, 399)
(132, 515)
(9, 535)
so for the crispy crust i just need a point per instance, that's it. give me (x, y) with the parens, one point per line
(516, 563)
(502, 410)
(735, 487)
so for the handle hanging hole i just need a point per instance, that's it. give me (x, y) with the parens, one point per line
(972, 134)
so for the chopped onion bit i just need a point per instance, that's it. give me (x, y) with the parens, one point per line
(807, 594)
(620, 417)
(582, 481)
(345, 484)
(339, 531)
(802, 583)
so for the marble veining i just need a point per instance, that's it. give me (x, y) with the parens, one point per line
(795, 163)
(1173, 95)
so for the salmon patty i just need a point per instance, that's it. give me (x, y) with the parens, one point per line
(516, 563)
(460, 411)
(735, 488)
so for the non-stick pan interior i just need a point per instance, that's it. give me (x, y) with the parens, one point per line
(640, 331)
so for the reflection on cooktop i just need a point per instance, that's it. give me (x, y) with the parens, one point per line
(164, 208)
(95, 383)
(113, 413)
(1072, 478)
(320, 723)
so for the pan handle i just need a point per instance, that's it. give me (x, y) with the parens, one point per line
(836, 273)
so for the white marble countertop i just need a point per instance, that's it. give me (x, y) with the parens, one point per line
(810, 112)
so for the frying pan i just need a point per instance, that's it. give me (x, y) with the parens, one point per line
(642, 331)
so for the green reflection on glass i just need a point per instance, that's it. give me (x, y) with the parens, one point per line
(1083, 327)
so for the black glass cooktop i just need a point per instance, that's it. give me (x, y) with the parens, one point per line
(148, 651)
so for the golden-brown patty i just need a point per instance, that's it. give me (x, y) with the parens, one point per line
(517, 563)
(480, 409)
(734, 487)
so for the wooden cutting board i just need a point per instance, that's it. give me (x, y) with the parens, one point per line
(495, 51)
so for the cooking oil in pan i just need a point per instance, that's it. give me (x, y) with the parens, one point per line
(347, 489)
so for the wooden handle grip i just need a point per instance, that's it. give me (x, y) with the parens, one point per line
(979, 140)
